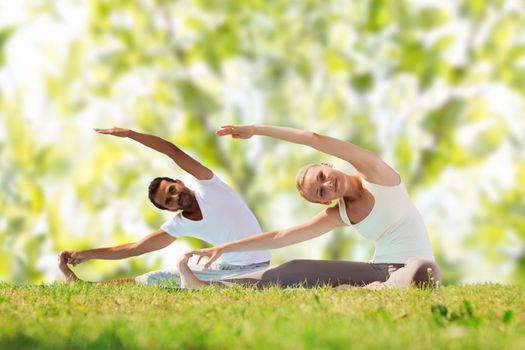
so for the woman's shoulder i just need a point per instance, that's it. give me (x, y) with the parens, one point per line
(383, 175)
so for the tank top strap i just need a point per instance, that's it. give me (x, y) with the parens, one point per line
(342, 212)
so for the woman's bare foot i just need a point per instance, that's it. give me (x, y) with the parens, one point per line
(344, 286)
(187, 278)
(66, 271)
(376, 285)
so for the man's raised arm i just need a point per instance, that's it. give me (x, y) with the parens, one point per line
(180, 158)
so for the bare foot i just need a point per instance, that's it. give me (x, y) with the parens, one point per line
(187, 278)
(376, 285)
(344, 286)
(66, 271)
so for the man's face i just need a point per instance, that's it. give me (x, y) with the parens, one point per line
(174, 195)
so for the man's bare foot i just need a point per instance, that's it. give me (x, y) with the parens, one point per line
(187, 278)
(66, 271)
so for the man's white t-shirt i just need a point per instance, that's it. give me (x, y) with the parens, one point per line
(225, 218)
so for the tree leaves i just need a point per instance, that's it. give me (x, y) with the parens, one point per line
(5, 34)
(180, 69)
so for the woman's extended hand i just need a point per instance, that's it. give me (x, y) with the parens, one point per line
(115, 131)
(237, 131)
(214, 253)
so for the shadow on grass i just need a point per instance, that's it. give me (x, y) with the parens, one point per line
(106, 340)
(19, 341)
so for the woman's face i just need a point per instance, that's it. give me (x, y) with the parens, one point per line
(321, 183)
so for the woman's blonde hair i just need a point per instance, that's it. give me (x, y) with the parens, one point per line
(299, 180)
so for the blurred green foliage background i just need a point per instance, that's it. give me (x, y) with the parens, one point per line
(437, 88)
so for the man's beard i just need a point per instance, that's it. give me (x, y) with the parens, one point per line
(185, 200)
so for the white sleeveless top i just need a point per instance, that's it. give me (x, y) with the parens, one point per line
(394, 224)
(225, 218)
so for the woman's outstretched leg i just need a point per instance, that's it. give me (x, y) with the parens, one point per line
(311, 273)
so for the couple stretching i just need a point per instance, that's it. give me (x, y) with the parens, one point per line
(374, 200)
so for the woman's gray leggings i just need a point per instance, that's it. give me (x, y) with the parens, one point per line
(310, 273)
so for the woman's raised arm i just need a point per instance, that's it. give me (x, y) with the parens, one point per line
(371, 166)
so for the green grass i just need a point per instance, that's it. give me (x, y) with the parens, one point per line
(84, 316)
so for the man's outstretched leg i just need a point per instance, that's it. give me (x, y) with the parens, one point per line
(71, 277)
(190, 281)
(187, 278)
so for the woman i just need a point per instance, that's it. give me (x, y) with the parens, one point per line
(373, 200)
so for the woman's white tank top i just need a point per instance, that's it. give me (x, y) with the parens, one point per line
(394, 224)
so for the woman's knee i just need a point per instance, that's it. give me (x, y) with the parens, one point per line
(426, 272)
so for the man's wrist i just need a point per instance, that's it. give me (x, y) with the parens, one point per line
(85, 254)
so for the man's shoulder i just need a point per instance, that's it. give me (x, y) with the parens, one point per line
(173, 220)
(213, 183)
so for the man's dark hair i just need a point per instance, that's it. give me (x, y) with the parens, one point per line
(153, 187)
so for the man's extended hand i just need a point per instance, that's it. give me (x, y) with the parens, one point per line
(214, 253)
(115, 131)
(73, 257)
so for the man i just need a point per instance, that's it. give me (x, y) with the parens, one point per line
(211, 211)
